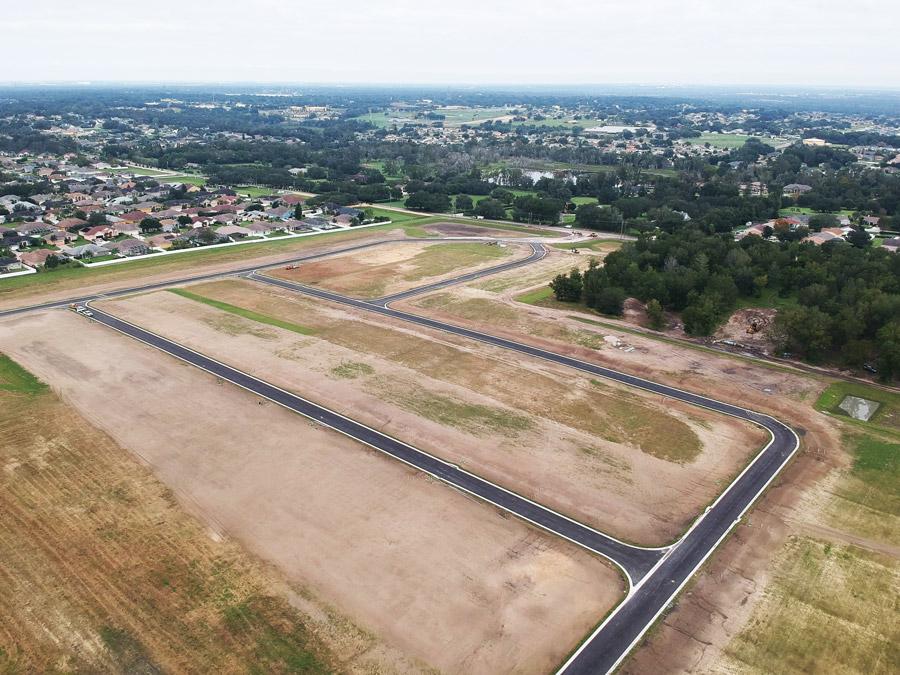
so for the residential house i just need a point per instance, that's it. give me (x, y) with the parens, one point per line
(82, 251)
(128, 247)
(892, 245)
(36, 229)
(161, 240)
(70, 223)
(100, 232)
(796, 189)
(59, 238)
(35, 258)
(10, 264)
(234, 231)
(826, 235)
(259, 228)
(133, 216)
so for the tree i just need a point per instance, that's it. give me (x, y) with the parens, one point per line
(805, 331)
(150, 225)
(606, 219)
(96, 218)
(701, 316)
(184, 220)
(889, 351)
(206, 235)
(463, 203)
(821, 221)
(858, 237)
(52, 261)
(655, 314)
(503, 195)
(491, 209)
(298, 211)
(611, 300)
(567, 288)
(429, 201)
(533, 209)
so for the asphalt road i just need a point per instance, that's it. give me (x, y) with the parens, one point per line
(653, 591)
(636, 561)
(655, 575)
(246, 270)
(538, 251)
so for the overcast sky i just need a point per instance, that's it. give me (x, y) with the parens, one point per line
(811, 42)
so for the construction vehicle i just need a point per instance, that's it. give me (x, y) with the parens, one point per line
(757, 323)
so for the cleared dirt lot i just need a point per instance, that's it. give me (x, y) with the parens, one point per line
(440, 578)
(392, 268)
(637, 466)
(807, 583)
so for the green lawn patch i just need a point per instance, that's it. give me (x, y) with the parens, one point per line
(536, 296)
(245, 313)
(886, 418)
(768, 299)
(15, 378)
(583, 200)
(250, 191)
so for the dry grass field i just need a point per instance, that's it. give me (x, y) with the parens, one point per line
(635, 465)
(392, 268)
(104, 572)
(384, 570)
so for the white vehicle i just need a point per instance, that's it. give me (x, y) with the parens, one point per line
(79, 309)
(88, 312)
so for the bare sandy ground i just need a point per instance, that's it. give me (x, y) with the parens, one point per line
(563, 457)
(393, 268)
(694, 637)
(440, 577)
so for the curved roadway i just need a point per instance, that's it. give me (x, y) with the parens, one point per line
(655, 575)
(652, 592)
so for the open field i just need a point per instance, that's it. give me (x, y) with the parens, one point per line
(136, 170)
(831, 523)
(104, 572)
(886, 419)
(730, 141)
(816, 570)
(829, 608)
(603, 454)
(389, 269)
(405, 559)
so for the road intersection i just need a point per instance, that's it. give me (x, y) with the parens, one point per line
(654, 575)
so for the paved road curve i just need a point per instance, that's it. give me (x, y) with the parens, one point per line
(287, 261)
(655, 575)
(636, 561)
(538, 251)
(652, 593)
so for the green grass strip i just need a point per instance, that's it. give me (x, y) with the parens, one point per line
(884, 419)
(14, 377)
(245, 313)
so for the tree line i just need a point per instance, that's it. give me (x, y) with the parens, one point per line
(839, 303)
